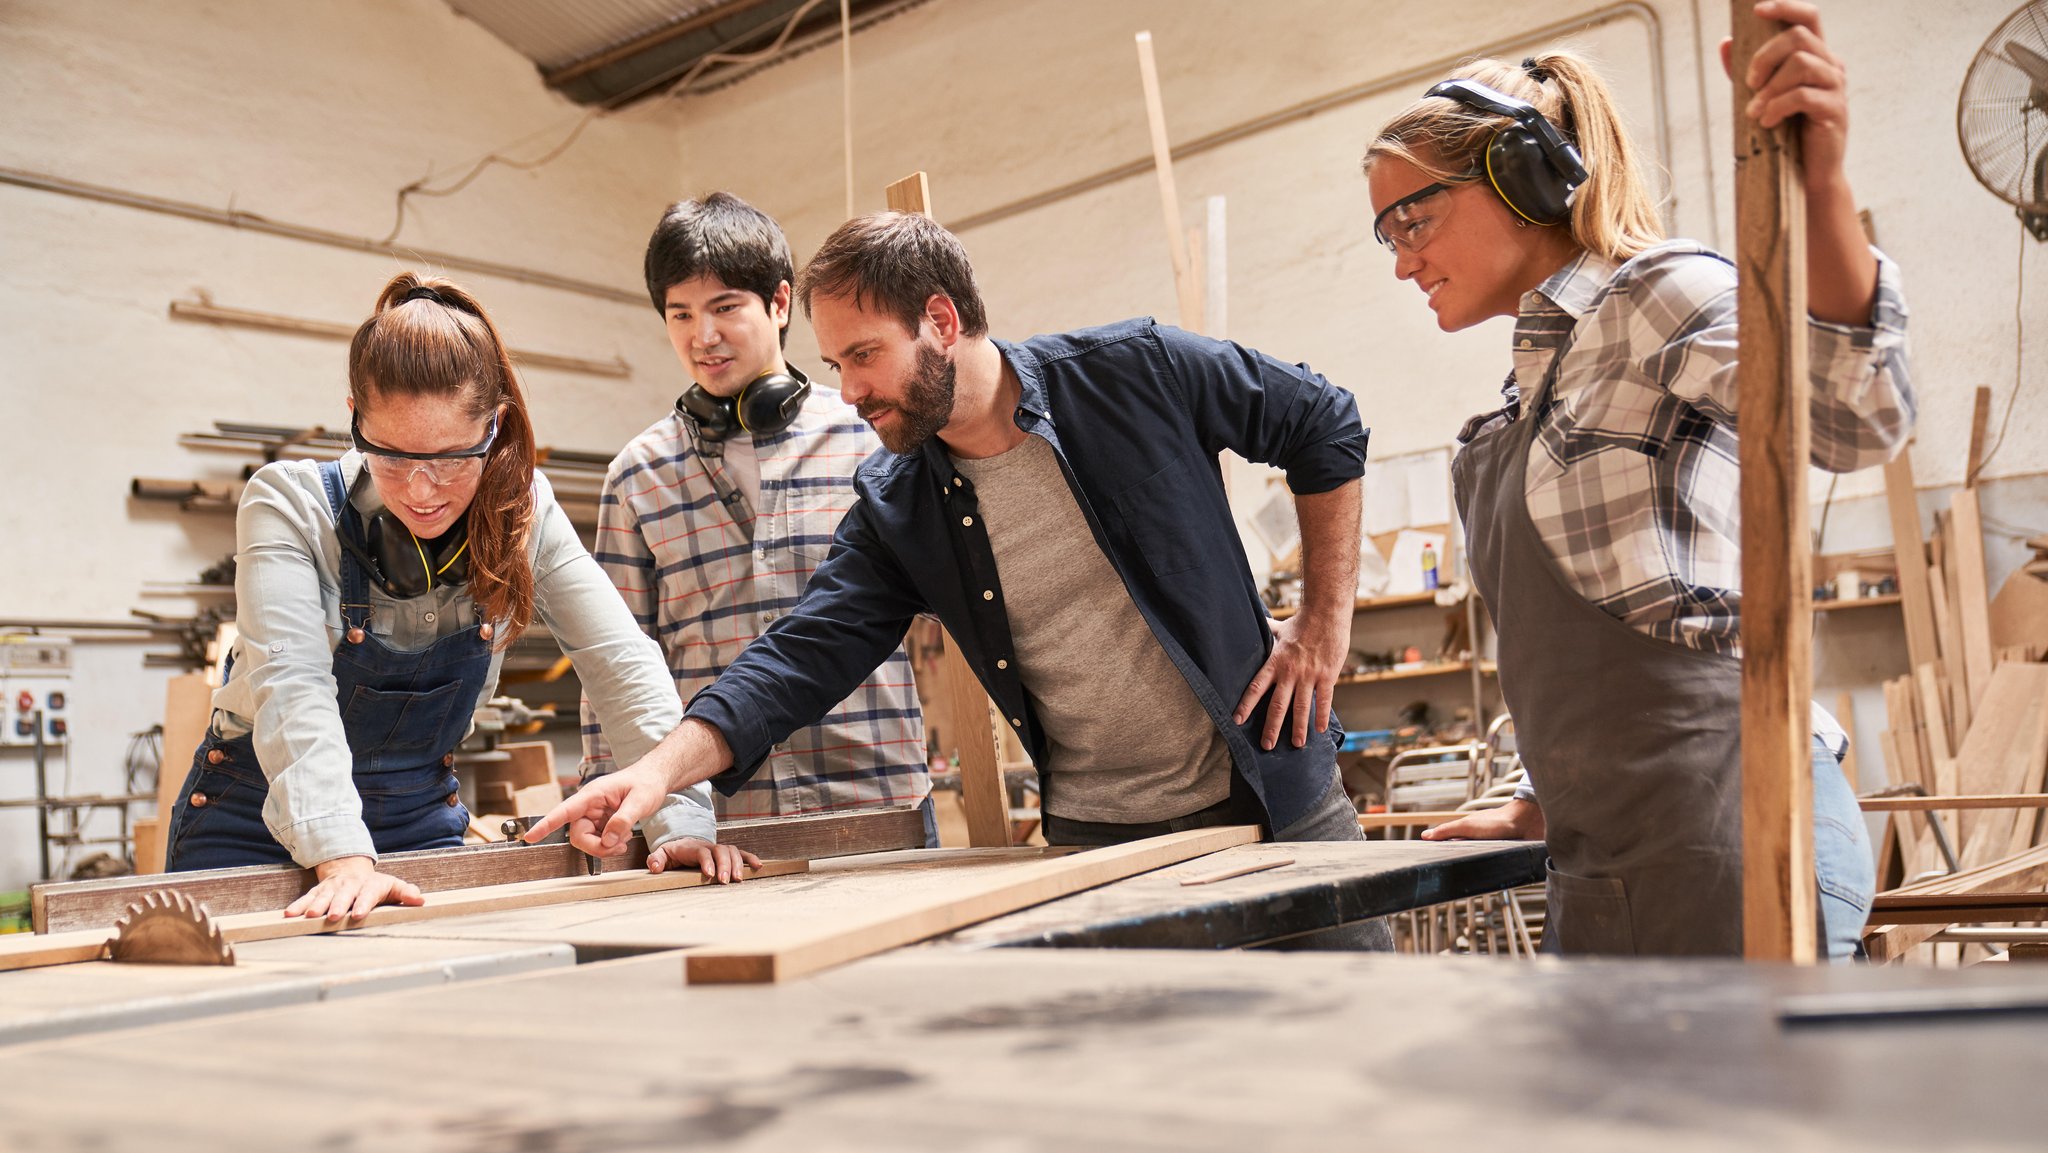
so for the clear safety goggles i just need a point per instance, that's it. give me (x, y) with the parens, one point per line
(442, 468)
(1412, 221)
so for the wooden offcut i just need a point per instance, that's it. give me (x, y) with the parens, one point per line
(1970, 593)
(60, 906)
(29, 951)
(1777, 612)
(786, 954)
(913, 193)
(1187, 290)
(1909, 549)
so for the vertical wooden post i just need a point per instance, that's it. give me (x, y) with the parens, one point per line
(962, 710)
(1186, 291)
(1778, 898)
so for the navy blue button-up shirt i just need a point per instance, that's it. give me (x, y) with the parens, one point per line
(1136, 414)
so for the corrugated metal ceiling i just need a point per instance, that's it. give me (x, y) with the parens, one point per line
(612, 52)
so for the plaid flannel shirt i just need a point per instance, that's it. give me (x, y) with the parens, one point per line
(1633, 482)
(701, 589)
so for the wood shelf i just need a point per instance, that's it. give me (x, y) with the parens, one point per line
(1437, 669)
(1368, 604)
(1859, 602)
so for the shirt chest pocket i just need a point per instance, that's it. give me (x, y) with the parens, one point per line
(1156, 513)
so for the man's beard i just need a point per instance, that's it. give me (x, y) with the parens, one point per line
(926, 406)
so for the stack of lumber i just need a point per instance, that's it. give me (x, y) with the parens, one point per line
(1970, 719)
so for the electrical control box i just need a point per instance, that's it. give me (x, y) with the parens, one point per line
(35, 677)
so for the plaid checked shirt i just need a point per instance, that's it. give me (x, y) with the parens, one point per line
(703, 591)
(1632, 480)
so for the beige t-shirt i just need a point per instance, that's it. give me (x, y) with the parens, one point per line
(1129, 741)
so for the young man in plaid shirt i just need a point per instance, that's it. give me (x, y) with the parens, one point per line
(711, 521)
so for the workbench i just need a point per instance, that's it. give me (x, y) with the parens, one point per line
(484, 1032)
(946, 1048)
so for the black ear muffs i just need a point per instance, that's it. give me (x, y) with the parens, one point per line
(769, 404)
(1529, 163)
(405, 566)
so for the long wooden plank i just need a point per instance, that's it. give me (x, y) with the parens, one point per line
(2003, 754)
(59, 907)
(1777, 557)
(1970, 801)
(1909, 550)
(1970, 591)
(786, 954)
(1186, 291)
(29, 951)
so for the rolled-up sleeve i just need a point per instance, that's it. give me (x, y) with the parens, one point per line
(1268, 411)
(625, 679)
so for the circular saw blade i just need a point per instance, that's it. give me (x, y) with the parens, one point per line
(167, 927)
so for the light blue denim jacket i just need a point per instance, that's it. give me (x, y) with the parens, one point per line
(288, 611)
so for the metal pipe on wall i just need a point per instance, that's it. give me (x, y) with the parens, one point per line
(249, 221)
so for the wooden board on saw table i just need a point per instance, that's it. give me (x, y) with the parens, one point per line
(1329, 883)
(730, 912)
(29, 951)
(63, 906)
(72, 1000)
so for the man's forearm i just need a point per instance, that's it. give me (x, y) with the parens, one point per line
(1329, 551)
(692, 752)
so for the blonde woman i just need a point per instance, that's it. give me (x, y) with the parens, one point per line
(1600, 503)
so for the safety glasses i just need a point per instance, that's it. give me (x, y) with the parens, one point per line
(1410, 222)
(442, 468)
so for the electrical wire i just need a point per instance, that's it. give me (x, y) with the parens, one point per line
(2019, 345)
(677, 89)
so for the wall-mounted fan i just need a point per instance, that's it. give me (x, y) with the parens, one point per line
(2002, 118)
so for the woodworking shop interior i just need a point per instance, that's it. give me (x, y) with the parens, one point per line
(200, 203)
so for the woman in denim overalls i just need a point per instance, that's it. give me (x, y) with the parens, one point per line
(375, 595)
(1600, 505)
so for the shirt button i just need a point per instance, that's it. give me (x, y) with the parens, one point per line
(429, 618)
(1527, 344)
(277, 646)
(1002, 664)
(988, 594)
(1015, 723)
(958, 483)
(967, 520)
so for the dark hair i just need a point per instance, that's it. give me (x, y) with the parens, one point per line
(724, 236)
(428, 337)
(895, 261)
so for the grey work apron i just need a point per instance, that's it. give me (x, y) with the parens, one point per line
(1633, 743)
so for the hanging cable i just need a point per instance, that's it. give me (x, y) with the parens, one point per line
(2019, 345)
(419, 187)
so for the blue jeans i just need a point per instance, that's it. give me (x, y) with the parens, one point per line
(1843, 865)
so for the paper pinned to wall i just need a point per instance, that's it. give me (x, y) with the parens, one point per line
(1386, 496)
(1429, 495)
(1405, 564)
(1278, 528)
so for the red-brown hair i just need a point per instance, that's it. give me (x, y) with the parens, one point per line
(444, 345)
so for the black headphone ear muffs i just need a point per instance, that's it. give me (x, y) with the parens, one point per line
(1529, 163)
(769, 404)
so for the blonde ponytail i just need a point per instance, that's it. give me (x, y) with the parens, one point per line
(1613, 213)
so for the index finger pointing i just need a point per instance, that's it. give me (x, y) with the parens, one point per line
(558, 816)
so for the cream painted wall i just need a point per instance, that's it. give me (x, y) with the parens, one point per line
(311, 113)
(1002, 101)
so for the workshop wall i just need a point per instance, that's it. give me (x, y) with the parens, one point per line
(1001, 102)
(313, 114)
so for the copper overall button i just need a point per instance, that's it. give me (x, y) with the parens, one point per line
(198, 800)
(355, 636)
(483, 631)
(215, 756)
(454, 799)
(447, 760)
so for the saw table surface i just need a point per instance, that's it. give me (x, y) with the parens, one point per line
(1026, 1049)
